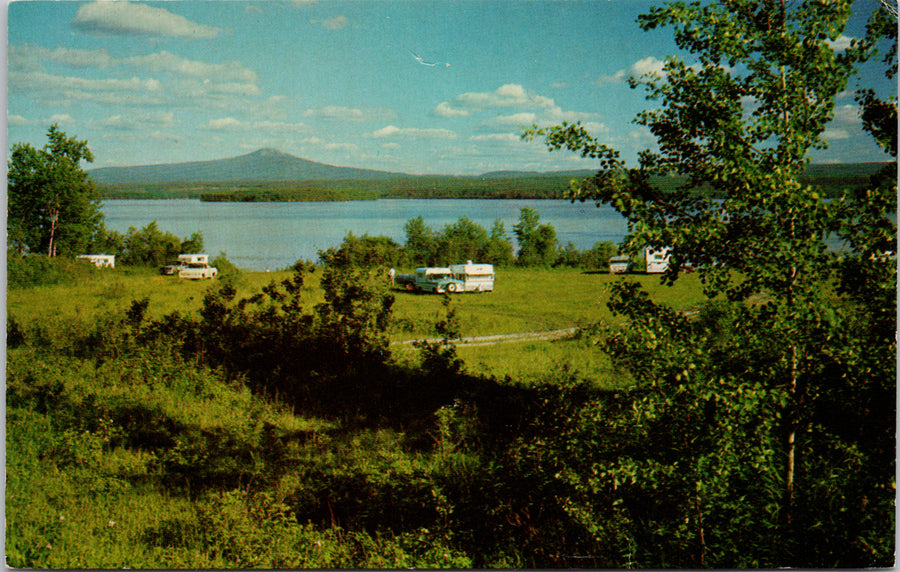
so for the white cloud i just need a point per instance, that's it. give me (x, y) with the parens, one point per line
(37, 81)
(394, 131)
(557, 115)
(223, 124)
(846, 114)
(508, 95)
(232, 124)
(645, 66)
(62, 118)
(551, 116)
(335, 23)
(840, 44)
(127, 18)
(338, 113)
(31, 58)
(340, 147)
(497, 138)
(168, 62)
(16, 120)
(835, 134)
(515, 120)
(28, 57)
(444, 109)
(135, 122)
(232, 88)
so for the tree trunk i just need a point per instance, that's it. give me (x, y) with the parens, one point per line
(51, 248)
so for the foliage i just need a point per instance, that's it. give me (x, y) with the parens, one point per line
(363, 252)
(597, 257)
(773, 465)
(537, 242)
(53, 206)
(461, 241)
(105, 241)
(421, 242)
(38, 269)
(149, 246)
(439, 356)
(499, 250)
(226, 269)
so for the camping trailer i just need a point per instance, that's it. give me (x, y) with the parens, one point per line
(475, 277)
(619, 264)
(100, 260)
(184, 261)
(657, 259)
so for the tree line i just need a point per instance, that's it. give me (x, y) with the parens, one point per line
(466, 240)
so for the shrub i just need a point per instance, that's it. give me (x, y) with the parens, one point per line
(227, 270)
(40, 270)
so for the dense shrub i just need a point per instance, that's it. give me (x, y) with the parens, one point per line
(38, 269)
(363, 252)
(227, 270)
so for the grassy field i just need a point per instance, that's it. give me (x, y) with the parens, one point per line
(524, 300)
(145, 460)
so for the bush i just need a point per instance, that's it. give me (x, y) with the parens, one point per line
(363, 252)
(40, 270)
(227, 270)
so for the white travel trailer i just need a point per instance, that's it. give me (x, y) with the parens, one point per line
(657, 259)
(185, 261)
(193, 258)
(619, 264)
(475, 277)
(100, 260)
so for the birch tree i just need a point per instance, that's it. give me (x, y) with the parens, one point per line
(53, 206)
(758, 425)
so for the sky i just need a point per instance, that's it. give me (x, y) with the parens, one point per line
(413, 86)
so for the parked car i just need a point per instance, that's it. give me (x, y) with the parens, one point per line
(437, 279)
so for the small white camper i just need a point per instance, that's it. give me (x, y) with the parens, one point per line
(100, 260)
(475, 277)
(184, 261)
(657, 259)
(619, 264)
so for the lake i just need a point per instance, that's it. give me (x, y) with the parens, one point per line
(260, 236)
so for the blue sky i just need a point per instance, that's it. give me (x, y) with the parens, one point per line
(340, 82)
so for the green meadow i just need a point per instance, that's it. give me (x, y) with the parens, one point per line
(524, 300)
(128, 453)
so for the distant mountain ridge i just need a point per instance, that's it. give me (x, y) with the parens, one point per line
(270, 165)
(262, 165)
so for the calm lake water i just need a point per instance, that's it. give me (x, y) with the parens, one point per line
(260, 236)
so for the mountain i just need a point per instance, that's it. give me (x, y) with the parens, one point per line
(262, 165)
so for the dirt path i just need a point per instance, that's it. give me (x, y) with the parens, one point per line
(501, 338)
(522, 336)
